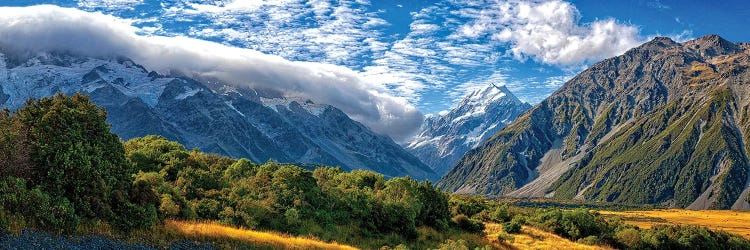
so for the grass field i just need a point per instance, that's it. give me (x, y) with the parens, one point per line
(730, 221)
(532, 238)
(214, 231)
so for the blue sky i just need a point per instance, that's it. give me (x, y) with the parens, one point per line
(432, 52)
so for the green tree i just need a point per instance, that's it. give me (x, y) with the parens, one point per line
(75, 154)
(155, 153)
(435, 211)
(75, 157)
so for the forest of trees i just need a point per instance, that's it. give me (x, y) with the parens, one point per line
(61, 167)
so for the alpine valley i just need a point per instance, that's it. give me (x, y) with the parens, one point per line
(665, 123)
(238, 124)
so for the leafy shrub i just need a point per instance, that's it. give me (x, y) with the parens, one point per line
(575, 224)
(69, 137)
(132, 216)
(629, 237)
(465, 223)
(467, 205)
(153, 153)
(512, 227)
(36, 207)
(501, 213)
(435, 211)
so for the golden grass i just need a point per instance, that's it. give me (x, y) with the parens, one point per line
(218, 231)
(730, 221)
(699, 73)
(532, 238)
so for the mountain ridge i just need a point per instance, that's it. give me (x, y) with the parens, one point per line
(597, 137)
(216, 118)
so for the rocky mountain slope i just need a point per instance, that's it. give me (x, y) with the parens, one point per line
(257, 125)
(664, 123)
(443, 139)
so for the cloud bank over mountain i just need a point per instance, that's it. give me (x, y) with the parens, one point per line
(46, 28)
(550, 32)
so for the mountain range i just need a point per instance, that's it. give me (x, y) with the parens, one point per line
(443, 139)
(665, 123)
(232, 121)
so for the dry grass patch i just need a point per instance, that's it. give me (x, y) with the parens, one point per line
(212, 230)
(532, 238)
(698, 73)
(730, 221)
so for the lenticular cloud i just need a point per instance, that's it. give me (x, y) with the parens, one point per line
(47, 28)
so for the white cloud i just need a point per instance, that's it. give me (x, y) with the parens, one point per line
(449, 42)
(109, 3)
(550, 32)
(50, 28)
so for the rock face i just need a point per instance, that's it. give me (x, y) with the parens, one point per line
(664, 123)
(257, 125)
(443, 139)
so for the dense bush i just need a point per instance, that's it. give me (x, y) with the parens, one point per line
(465, 223)
(572, 224)
(467, 205)
(35, 207)
(512, 227)
(69, 137)
(71, 165)
(191, 184)
(501, 213)
(683, 237)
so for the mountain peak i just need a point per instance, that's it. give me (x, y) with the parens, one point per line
(444, 138)
(713, 45)
(659, 42)
(488, 94)
(713, 38)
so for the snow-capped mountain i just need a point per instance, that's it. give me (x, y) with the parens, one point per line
(443, 139)
(216, 118)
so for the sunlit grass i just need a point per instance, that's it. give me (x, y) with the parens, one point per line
(532, 238)
(212, 230)
(730, 221)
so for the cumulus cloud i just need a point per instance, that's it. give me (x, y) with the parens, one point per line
(49, 28)
(550, 32)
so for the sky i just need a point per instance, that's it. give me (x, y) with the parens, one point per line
(384, 62)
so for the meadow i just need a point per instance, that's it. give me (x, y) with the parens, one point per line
(737, 222)
(211, 231)
(532, 238)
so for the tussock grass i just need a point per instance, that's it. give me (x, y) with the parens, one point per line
(213, 231)
(699, 73)
(532, 238)
(737, 222)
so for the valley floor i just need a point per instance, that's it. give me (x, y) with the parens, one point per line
(737, 222)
